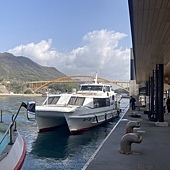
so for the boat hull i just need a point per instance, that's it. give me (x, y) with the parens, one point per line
(47, 120)
(13, 156)
(86, 121)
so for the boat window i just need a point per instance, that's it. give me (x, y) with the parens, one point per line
(72, 101)
(107, 88)
(96, 102)
(52, 100)
(107, 102)
(101, 102)
(79, 101)
(91, 88)
(76, 101)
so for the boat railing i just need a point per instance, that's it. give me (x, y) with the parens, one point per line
(12, 125)
(8, 111)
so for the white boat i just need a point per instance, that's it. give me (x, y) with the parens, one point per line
(12, 146)
(92, 105)
(49, 114)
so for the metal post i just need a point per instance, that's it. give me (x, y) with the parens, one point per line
(10, 135)
(15, 129)
(15, 126)
(149, 94)
(1, 117)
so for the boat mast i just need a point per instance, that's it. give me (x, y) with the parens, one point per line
(95, 79)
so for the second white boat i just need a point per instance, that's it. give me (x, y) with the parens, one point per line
(89, 111)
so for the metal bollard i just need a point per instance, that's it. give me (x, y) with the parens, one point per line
(130, 125)
(127, 140)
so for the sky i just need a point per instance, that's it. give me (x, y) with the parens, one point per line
(77, 37)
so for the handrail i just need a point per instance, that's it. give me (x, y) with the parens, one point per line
(9, 129)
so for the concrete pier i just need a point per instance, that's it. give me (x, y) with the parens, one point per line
(153, 153)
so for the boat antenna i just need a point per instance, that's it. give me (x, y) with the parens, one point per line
(95, 79)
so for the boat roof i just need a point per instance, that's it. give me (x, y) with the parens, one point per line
(95, 84)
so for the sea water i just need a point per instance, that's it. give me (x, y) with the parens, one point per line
(55, 149)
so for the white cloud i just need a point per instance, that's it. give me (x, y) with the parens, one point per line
(40, 53)
(101, 52)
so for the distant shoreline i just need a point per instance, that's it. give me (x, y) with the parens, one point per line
(24, 95)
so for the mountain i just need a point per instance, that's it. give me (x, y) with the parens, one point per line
(22, 68)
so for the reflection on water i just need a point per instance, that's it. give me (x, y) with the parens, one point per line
(52, 144)
(60, 144)
(61, 150)
(56, 149)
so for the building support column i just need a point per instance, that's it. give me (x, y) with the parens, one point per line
(159, 92)
(133, 87)
(147, 88)
(147, 97)
(159, 95)
(152, 95)
(152, 114)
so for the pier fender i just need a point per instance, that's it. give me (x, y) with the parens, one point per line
(105, 116)
(96, 118)
(130, 125)
(127, 140)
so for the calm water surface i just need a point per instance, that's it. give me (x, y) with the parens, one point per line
(56, 149)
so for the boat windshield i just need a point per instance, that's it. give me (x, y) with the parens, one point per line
(52, 100)
(76, 101)
(101, 102)
(91, 88)
(95, 88)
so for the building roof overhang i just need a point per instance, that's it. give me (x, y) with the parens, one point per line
(150, 28)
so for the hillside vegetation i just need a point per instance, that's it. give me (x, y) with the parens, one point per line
(19, 68)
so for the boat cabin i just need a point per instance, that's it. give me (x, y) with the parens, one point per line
(51, 100)
(91, 102)
(95, 87)
(58, 100)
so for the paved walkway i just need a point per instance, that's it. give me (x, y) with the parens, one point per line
(153, 153)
